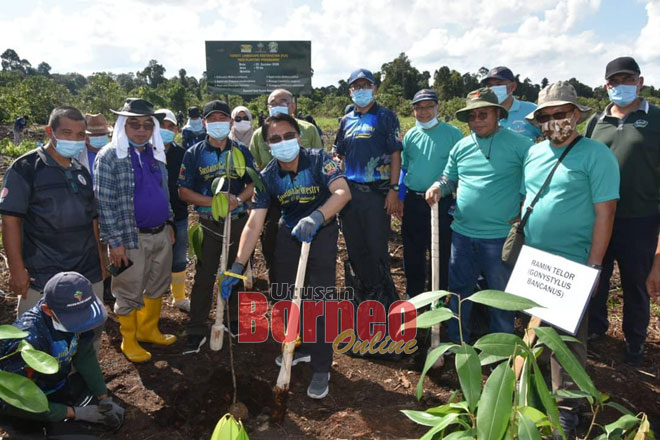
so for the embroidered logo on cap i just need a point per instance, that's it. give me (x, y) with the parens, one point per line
(78, 295)
(640, 123)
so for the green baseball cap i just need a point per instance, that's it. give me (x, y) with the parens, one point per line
(480, 98)
(556, 94)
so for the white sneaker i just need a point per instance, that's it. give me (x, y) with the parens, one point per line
(183, 305)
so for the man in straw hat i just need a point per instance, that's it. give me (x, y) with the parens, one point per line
(136, 221)
(485, 171)
(574, 215)
(98, 136)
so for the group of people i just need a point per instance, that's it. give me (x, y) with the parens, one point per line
(115, 209)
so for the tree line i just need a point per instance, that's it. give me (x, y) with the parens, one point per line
(26, 90)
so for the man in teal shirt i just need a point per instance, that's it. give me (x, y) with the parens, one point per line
(485, 170)
(574, 215)
(425, 152)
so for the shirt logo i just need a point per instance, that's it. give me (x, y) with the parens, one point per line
(330, 168)
(82, 179)
(640, 123)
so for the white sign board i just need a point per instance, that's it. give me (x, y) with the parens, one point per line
(563, 287)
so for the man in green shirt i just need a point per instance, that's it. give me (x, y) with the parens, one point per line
(485, 171)
(630, 126)
(425, 151)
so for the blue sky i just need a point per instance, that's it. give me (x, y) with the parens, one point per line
(557, 39)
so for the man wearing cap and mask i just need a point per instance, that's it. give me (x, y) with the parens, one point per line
(49, 216)
(425, 151)
(194, 130)
(501, 81)
(137, 223)
(630, 126)
(485, 171)
(573, 217)
(201, 165)
(98, 136)
(174, 154)
(61, 324)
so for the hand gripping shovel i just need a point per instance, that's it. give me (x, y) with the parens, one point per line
(217, 331)
(281, 390)
(435, 278)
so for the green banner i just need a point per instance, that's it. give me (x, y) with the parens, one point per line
(258, 67)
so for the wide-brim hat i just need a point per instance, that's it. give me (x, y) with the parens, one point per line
(556, 94)
(135, 107)
(97, 124)
(480, 98)
(70, 297)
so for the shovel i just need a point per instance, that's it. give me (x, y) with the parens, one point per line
(218, 329)
(281, 390)
(435, 278)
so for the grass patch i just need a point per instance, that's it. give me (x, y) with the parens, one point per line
(7, 147)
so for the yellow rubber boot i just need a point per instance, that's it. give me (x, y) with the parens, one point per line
(129, 344)
(178, 288)
(147, 323)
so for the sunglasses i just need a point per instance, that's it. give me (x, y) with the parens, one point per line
(135, 125)
(241, 118)
(482, 116)
(286, 136)
(555, 116)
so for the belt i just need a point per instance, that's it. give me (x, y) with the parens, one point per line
(155, 230)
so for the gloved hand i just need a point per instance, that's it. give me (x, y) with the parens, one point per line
(106, 413)
(307, 227)
(228, 282)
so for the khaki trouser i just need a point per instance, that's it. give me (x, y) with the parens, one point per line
(150, 275)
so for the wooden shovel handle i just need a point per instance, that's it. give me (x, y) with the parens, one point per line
(529, 338)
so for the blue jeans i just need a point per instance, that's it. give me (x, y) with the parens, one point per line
(180, 247)
(469, 258)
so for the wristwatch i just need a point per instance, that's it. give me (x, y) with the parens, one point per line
(596, 266)
(394, 186)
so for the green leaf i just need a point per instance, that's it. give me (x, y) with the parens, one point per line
(549, 337)
(22, 393)
(448, 408)
(502, 300)
(496, 403)
(446, 421)
(487, 359)
(533, 414)
(527, 429)
(567, 338)
(219, 206)
(256, 179)
(433, 317)
(549, 403)
(431, 357)
(238, 161)
(195, 237)
(422, 417)
(574, 394)
(38, 360)
(501, 344)
(11, 332)
(622, 409)
(522, 396)
(217, 184)
(226, 429)
(461, 435)
(623, 424)
(426, 298)
(468, 368)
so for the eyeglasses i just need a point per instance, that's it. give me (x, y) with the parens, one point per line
(361, 86)
(135, 125)
(241, 118)
(282, 103)
(286, 136)
(556, 116)
(629, 80)
(482, 116)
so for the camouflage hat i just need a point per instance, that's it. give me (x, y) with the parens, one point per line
(483, 97)
(556, 94)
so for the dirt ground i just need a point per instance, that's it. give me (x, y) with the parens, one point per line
(182, 397)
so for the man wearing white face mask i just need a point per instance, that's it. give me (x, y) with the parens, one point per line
(201, 165)
(629, 125)
(501, 81)
(49, 217)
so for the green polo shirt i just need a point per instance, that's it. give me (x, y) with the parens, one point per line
(635, 141)
(309, 138)
(489, 176)
(425, 154)
(563, 219)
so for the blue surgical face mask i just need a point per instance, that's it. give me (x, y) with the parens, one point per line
(363, 97)
(623, 95)
(278, 109)
(99, 141)
(285, 151)
(427, 125)
(218, 130)
(166, 135)
(69, 148)
(501, 93)
(196, 124)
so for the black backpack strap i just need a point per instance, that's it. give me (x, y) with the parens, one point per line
(592, 124)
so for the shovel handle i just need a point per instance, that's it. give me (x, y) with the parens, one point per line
(217, 333)
(435, 274)
(529, 338)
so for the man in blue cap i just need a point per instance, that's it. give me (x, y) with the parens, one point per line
(61, 325)
(369, 146)
(501, 81)
(194, 131)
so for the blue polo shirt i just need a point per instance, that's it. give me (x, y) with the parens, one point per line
(367, 142)
(516, 121)
(302, 192)
(202, 163)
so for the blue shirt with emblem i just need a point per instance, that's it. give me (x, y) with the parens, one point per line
(516, 121)
(302, 192)
(202, 163)
(367, 142)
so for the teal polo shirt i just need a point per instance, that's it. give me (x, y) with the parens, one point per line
(489, 175)
(563, 219)
(425, 154)
(516, 121)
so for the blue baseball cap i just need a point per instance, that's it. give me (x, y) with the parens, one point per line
(71, 298)
(425, 95)
(499, 72)
(361, 73)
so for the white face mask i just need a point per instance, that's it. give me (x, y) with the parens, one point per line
(242, 126)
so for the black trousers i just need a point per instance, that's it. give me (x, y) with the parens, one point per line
(633, 245)
(416, 234)
(320, 273)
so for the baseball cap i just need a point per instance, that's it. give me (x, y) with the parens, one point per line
(70, 296)
(499, 72)
(361, 73)
(216, 106)
(193, 112)
(166, 115)
(622, 65)
(480, 98)
(425, 95)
